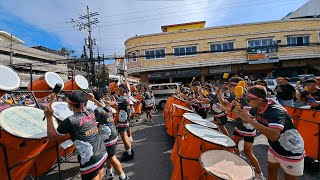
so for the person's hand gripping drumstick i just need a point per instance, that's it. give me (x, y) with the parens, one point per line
(238, 91)
(56, 90)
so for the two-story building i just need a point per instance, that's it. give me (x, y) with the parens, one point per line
(285, 47)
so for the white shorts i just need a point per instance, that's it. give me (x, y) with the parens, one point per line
(291, 167)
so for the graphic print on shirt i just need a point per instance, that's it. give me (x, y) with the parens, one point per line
(291, 141)
(123, 115)
(105, 132)
(85, 150)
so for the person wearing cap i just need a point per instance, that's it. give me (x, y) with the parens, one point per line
(241, 130)
(286, 146)
(312, 94)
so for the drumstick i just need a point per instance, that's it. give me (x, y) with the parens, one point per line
(56, 90)
(225, 77)
(238, 91)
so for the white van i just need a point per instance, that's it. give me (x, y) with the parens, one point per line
(162, 91)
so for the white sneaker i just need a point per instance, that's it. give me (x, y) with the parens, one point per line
(108, 177)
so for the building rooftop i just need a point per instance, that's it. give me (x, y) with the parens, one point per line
(311, 9)
(8, 36)
(183, 26)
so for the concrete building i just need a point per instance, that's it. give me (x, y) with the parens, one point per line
(23, 56)
(283, 47)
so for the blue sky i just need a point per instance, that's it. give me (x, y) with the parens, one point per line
(44, 22)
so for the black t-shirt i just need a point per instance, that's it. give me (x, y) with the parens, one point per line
(244, 129)
(315, 95)
(290, 143)
(106, 125)
(287, 92)
(124, 111)
(85, 135)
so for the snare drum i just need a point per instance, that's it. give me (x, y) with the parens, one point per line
(46, 82)
(24, 135)
(219, 164)
(175, 119)
(196, 140)
(78, 82)
(10, 80)
(188, 118)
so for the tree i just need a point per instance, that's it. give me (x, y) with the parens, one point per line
(103, 79)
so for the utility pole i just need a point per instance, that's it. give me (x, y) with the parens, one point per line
(11, 53)
(91, 20)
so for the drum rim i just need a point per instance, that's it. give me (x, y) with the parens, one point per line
(207, 140)
(76, 78)
(214, 128)
(29, 138)
(59, 77)
(17, 85)
(56, 103)
(187, 109)
(201, 163)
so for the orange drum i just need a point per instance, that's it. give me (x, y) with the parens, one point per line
(46, 82)
(24, 136)
(181, 102)
(10, 80)
(78, 82)
(311, 115)
(293, 112)
(175, 119)
(219, 164)
(196, 140)
(167, 107)
(188, 118)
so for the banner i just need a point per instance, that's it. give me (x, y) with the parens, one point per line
(263, 54)
(220, 69)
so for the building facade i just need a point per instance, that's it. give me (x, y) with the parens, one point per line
(284, 47)
(23, 57)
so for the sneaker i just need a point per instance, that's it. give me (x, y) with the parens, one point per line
(108, 177)
(127, 177)
(127, 157)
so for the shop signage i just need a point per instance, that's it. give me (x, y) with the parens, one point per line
(263, 54)
(156, 75)
(186, 73)
(219, 69)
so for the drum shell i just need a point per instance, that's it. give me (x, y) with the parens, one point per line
(174, 119)
(293, 112)
(2, 93)
(192, 147)
(177, 143)
(19, 150)
(69, 87)
(167, 107)
(40, 84)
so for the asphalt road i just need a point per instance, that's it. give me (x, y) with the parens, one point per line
(153, 146)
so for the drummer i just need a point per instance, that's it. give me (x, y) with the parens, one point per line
(84, 133)
(108, 130)
(286, 146)
(241, 130)
(200, 107)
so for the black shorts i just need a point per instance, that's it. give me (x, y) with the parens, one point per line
(122, 129)
(91, 175)
(221, 120)
(249, 139)
(203, 112)
(112, 151)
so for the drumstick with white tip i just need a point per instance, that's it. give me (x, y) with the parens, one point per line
(56, 90)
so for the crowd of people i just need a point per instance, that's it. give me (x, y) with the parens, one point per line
(259, 108)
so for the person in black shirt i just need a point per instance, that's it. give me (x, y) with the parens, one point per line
(312, 95)
(286, 146)
(286, 93)
(84, 133)
(109, 134)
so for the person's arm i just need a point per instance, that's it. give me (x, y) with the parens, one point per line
(51, 130)
(272, 133)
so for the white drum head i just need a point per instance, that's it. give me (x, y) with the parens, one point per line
(196, 119)
(210, 135)
(81, 81)
(52, 79)
(9, 79)
(91, 105)
(182, 107)
(225, 165)
(61, 110)
(25, 122)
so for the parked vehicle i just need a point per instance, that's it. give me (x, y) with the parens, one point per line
(163, 91)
